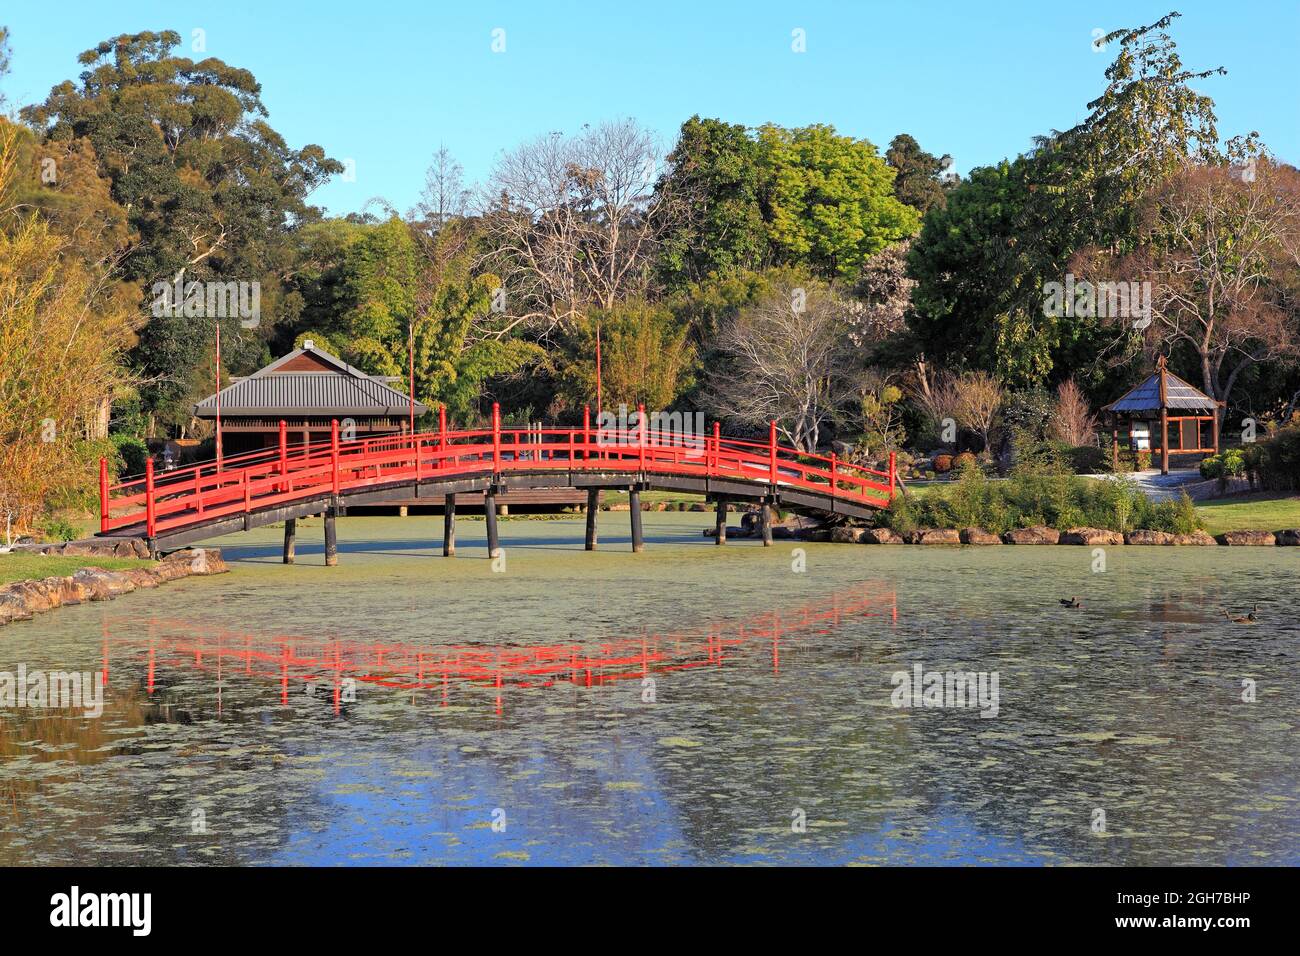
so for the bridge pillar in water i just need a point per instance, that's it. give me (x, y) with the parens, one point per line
(490, 513)
(765, 523)
(634, 504)
(449, 527)
(290, 537)
(331, 538)
(720, 523)
(593, 509)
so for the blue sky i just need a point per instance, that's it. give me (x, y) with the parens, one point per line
(384, 83)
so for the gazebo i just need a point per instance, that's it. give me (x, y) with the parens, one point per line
(1191, 429)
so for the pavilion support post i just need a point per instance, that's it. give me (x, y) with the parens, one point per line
(331, 538)
(449, 527)
(765, 523)
(593, 510)
(290, 538)
(1114, 441)
(1215, 420)
(634, 503)
(1164, 441)
(490, 513)
(720, 522)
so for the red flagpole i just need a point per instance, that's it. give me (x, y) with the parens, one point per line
(599, 403)
(411, 355)
(218, 398)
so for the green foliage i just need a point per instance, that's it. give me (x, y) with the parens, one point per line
(58, 529)
(1039, 496)
(1229, 463)
(646, 354)
(831, 199)
(132, 453)
(1277, 460)
(916, 179)
(1087, 459)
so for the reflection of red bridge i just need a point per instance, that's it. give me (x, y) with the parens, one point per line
(265, 487)
(289, 659)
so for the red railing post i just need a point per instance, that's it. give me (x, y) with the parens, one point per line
(149, 514)
(771, 451)
(496, 437)
(713, 468)
(103, 495)
(334, 453)
(893, 473)
(833, 474)
(586, 432)
(641, 437)
(284, 455)
(442, 435)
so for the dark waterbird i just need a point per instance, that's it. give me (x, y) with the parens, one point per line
(1248, 619)
(1073, 602)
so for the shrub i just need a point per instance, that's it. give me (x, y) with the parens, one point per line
(943, 463)
(962, 460)
(58, 529)
(131, 454)
(1279, 460)
(1087, 460)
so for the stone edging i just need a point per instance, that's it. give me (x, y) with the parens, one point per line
(21, 599)
(1093, 537)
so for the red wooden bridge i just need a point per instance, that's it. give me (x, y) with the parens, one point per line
(285, 483)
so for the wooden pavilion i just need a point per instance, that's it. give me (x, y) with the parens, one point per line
(307, 389)
(1165, 409)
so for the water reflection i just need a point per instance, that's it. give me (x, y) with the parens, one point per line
(479, 700)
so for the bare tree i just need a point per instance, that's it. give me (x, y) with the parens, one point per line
(1073, 421)
(1221, 250)
(976, 399)
(574, 222)
(787, 359)
(444, 196)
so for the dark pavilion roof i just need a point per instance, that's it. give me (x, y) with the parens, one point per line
(1179, 395)
(314, 383)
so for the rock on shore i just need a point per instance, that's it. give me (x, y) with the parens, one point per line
(1247, 539)
(1091, 536)
(20, 600)
(1035, 535)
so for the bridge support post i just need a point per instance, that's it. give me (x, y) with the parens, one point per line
(449, 527)
(593, 509)
(720, 523)
(634, 503)
(331, 538)
(490, 513)
(290, 536)
(765, 523)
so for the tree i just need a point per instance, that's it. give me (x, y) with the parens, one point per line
(788, 359)
(715, 173)
(1073, 421)
(212, 190)
(976, 399)
(1220, 251)
(917, 173)
(60, 340)
(574, 223)
(646, 355)
(444, 196)
(830, 200)
(4, 59)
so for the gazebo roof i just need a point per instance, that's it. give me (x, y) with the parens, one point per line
(1178, 395)
(308, 381)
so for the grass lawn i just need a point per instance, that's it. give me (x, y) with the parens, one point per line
(18, 567)
(1264, 511)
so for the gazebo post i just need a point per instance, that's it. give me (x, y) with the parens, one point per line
(1114, 440)
(1215, 419)
(1164, 441)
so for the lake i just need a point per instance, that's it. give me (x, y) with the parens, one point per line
(687, 705)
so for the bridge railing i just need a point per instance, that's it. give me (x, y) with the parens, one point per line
(291, 473)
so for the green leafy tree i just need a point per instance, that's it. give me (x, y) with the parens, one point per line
(830, 199)
(212, 190)
(646, 357)
(917, 173)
